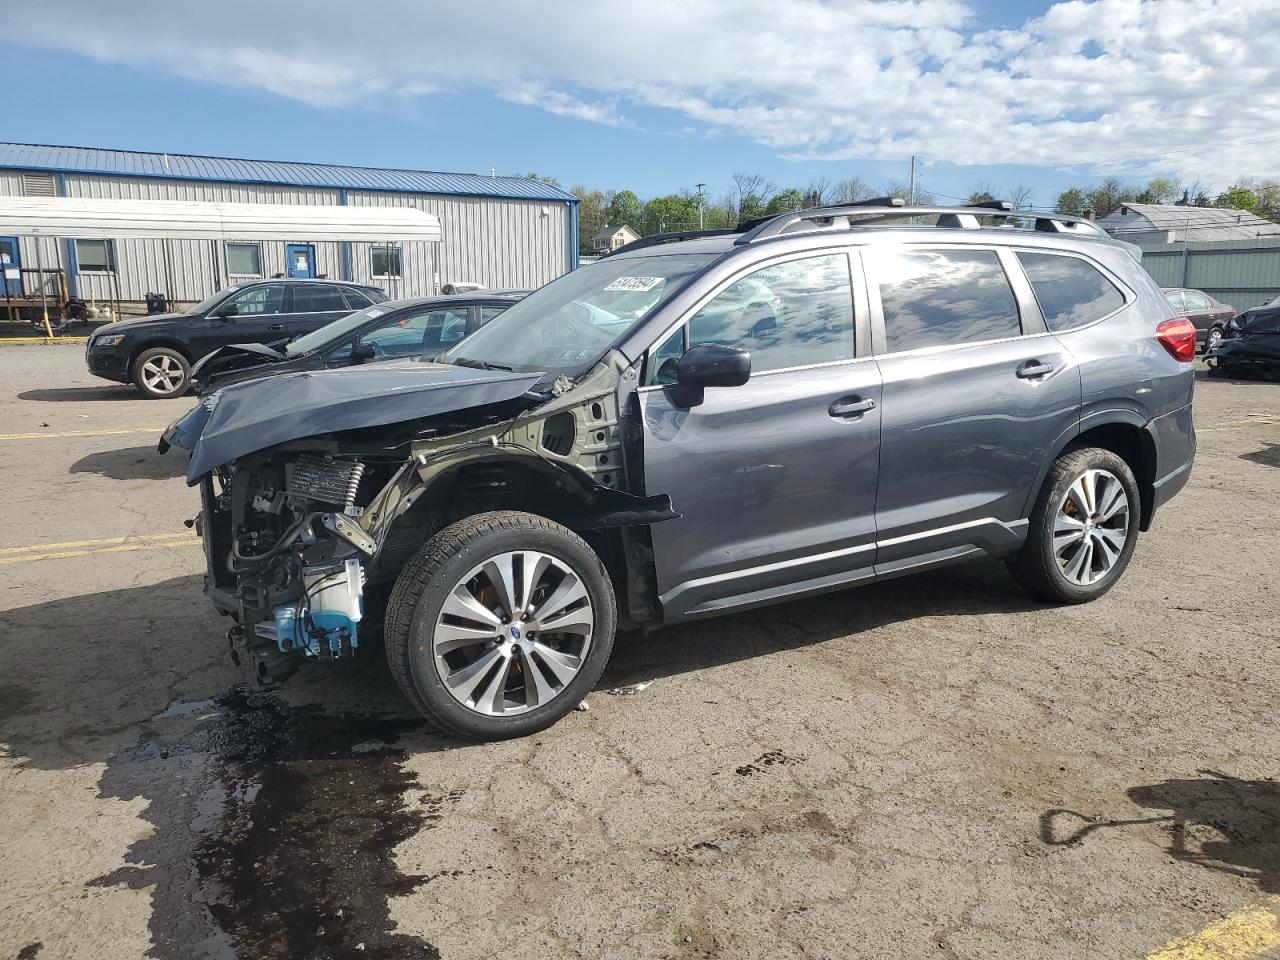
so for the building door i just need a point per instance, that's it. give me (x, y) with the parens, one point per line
(300, 260)
(10, 262)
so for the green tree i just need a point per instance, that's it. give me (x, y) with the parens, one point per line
(541, 178)
(1159, 190)
(785, 200)
(1237, 198)
(1071, 202)
(980, 196)
(1108, 196)
(593, 215)
(672, 212)
(626, 208)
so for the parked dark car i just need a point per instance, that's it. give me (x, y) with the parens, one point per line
(156, 353)
(397, 328)
(1251, 346)
(1209, 316)
(827, 398)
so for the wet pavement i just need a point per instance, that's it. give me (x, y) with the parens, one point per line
(933, 767)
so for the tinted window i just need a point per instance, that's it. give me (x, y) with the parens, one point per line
(94, 256)
(936, 297)
(244, 259)
(789, 315)
(385, 259)
(419, 333)
(263, 298)
(317, 298)
(355, 299)
(488, 313)
(1071, 292)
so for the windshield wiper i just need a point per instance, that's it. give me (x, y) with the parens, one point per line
(478, 364)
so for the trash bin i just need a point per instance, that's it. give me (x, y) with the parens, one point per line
(156, 303)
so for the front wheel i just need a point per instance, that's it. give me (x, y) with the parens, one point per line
(1083, 529)
(161, 373)
(1212, 338)
(500, 625)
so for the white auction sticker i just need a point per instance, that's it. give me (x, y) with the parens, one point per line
(634, 283)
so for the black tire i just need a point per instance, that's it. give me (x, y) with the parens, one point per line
(425, 583)
(1035, 566)
(1212, 338)
(150, 384)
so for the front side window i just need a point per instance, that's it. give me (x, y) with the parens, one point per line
(418, 333)
(1176, 299)
(355, 299)
(244, 259)
(1071, 292)
(932, 298)
(488, 313)
(317, 298)
(263, 298)
(386, 260)
(1197, 300)
(568, 325)
(95, 256)
(791, 314)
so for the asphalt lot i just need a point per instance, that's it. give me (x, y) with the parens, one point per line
(935, 767)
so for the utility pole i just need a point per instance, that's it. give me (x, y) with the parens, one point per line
(702, 192)
(911, 190)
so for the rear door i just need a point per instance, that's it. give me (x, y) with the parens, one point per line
(1199, 311)
(775, 480)
(977, 393)
(314, 305)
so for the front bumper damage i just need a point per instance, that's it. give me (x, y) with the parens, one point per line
(304, 531)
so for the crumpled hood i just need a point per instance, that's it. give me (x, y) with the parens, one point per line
(246, 417)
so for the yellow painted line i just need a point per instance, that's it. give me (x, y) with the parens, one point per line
(1241, 936)
(4, 340)
(81, 433)
(92, 552)
(100, 542)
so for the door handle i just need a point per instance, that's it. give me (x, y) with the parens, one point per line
(1032, 369)
(276, 326)
(851, 408)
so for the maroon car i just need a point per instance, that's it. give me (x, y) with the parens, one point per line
(1208, 315)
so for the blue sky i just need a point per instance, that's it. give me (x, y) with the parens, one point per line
(1067, 92)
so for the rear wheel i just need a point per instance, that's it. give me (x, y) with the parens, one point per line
(1212, 338)
(1083, 529)
(500, 625)
(161, 373)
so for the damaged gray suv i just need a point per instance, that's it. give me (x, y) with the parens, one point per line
(697, 426)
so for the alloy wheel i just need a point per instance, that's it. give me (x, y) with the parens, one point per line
(162, 374)
(513, 633)
(1091, 526)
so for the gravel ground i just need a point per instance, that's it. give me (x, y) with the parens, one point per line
(933, 767)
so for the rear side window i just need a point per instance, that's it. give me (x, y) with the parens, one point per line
(488, 313)
(355, 299)
(932, 298)
(317, 298)
(1071, 291)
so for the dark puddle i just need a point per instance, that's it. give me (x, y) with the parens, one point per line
(292, 851)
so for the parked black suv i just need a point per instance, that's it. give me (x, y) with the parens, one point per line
(419, 326)
(681, 430)
(156, 353)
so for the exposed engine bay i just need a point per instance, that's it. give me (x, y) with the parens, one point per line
(305, 538)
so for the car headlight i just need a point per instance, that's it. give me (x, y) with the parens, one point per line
(110, 340)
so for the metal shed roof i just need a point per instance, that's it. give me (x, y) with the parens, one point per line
(78, 217)
(1193, 223)
(178, 166)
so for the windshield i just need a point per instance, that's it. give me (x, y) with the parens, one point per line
(207, 304)
(569, 324)
(333, 331)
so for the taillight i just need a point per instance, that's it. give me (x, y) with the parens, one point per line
(1179, 338)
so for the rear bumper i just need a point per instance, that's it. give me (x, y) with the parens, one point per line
(1174, 437)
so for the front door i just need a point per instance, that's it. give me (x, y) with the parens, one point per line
(775, 480)
(972, 402)
(300, 260)
(10, 264)
(255, 314)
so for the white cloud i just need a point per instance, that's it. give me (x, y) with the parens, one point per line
(1113, 85)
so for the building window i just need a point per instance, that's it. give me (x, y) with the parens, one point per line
(244, 259)
(95, 256)
(386, 260)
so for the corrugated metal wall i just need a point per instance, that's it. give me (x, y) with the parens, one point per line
(1242, 273)
(500, 243)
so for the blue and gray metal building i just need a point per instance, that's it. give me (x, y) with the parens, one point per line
(502, 232)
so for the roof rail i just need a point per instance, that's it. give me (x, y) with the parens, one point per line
(867, 213)
(992, 204)
(673, 237)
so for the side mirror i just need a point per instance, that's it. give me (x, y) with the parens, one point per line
(709, 365)
(362, 351)
(226, 311)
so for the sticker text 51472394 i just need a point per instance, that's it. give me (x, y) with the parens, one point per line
(639, 284)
